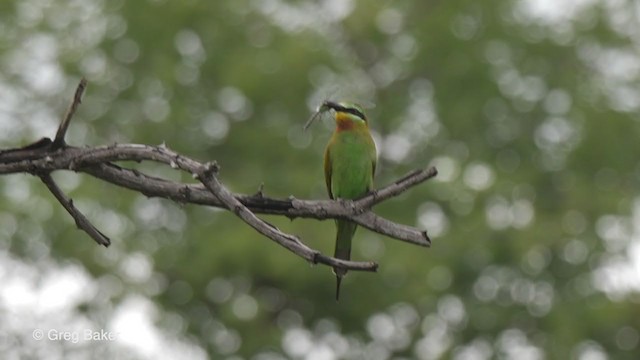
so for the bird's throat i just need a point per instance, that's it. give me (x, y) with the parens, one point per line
(344, 123)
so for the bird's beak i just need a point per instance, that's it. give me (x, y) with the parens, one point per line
(330, 105)
(326, 106)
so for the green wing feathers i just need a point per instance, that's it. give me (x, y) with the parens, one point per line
(327, 170)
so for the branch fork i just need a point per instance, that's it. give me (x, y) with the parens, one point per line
(45, 156)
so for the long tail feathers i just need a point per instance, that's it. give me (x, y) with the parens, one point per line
(344, 235)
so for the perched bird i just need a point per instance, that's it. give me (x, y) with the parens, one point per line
(349, 167)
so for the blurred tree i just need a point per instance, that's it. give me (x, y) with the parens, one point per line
(528, 108)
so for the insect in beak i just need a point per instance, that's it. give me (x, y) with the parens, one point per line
(325, 107)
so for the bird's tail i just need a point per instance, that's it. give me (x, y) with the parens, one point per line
(346, 230)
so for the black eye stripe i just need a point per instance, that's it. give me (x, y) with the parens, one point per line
(355, 112)
(340, 108)
(352, 111)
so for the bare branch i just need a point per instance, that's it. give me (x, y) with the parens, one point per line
(81, 221)
(207, 175)
(381, 225)
(64, 125)
(45, 156)
(415, 177)
(97, 162)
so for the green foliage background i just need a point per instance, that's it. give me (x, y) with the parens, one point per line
(528, 108)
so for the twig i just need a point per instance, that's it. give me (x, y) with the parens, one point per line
(381, 225)
(399, 186)
(81, 221)
(59, 142)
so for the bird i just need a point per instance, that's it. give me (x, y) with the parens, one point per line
(349, 168)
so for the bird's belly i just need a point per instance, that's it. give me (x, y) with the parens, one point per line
(351, 179)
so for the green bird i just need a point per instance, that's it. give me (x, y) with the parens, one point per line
(349, 167)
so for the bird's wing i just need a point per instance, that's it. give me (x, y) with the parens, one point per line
(374, 162)
(327, 170)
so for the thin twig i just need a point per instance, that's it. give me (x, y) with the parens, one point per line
(381, 225)
(81, 221)
(59, 142)
(398, 187)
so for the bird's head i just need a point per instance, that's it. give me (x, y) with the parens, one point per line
(347, 115)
